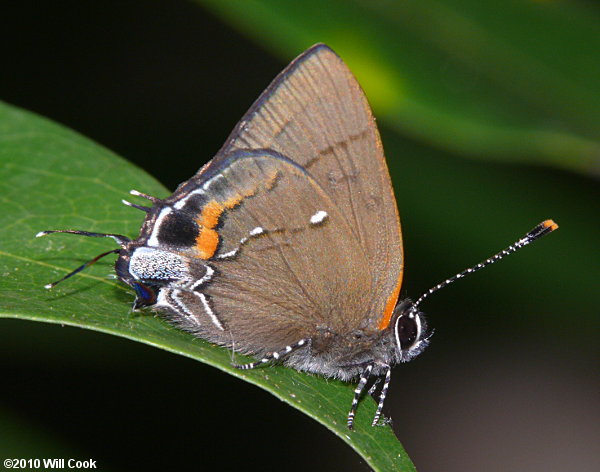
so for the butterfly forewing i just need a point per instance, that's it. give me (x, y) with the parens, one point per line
(315, 114)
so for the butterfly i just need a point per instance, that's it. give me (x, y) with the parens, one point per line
(287, 245)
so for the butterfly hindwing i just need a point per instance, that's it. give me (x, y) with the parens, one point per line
(279, 247)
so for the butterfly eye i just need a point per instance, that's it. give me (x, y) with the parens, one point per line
(145, 295)
(408, 331)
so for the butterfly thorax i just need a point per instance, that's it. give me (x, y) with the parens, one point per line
(345, 356)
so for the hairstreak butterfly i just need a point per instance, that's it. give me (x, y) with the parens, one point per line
(287, 245)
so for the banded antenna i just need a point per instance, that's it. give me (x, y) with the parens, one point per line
(544, 228)
(119, 238)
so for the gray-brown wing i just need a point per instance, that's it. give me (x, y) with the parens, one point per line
(316, 114)
(285, 261)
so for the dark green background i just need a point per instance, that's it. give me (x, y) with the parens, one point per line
(510, 380)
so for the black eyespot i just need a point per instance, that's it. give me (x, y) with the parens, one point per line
(178, 229)
(408, 331)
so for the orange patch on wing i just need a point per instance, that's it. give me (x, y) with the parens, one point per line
(210, 214)
(207, 241)
(390, 305)
(235, 200)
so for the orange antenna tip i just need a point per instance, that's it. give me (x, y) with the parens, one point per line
(550, 224)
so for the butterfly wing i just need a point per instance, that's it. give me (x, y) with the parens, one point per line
(308, 145)
(284, 258)
(316, 114)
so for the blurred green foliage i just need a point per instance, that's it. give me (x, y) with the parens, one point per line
(515, 80)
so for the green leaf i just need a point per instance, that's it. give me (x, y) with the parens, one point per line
(516, 81)
(52, 178)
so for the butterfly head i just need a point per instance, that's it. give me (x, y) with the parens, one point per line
(411, 335)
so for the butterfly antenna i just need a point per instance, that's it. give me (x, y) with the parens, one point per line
(145, 209)
(80, 268)
(544, 228)
(143, 195)
(120, 239)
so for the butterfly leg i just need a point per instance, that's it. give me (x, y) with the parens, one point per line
(273, 355)
(364, 378)
(374, 386)
(382, 395)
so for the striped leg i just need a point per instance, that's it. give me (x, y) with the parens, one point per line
(382, 395)
(374, 386)
(273, 355)
(364, 378)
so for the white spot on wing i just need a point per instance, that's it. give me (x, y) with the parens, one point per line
(254, 232)
(229, 254)
(318, 217)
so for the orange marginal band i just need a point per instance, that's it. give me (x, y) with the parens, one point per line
(390, 305)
